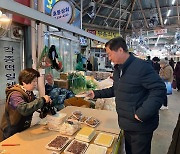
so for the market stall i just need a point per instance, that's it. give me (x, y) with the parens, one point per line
(35, 139)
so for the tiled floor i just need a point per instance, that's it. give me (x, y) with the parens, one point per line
(168, 119)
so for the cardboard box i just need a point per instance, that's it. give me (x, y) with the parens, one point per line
(76, 101)
(61, 83)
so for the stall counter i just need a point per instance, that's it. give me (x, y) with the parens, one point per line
(34, 139)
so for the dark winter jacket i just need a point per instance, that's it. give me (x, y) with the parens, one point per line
(139, 90)
(177, 70)
(157, 67)
(175, 144)
(19, 108)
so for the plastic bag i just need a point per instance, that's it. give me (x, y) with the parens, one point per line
(119, 147)
(44, 61)
(55, 58)
(168, 88)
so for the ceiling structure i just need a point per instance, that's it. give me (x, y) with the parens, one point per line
(133, 17)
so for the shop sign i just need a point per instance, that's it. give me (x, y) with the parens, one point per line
(49, 5)
(103, 34)
(20, 19)
(91, 31)
(97, 44)
(63, 11)
(10, 64)
(83, 41)
(160, 31)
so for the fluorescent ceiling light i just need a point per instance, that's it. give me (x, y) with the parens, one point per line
(157, 41)
(168, 13)
(173, 1)
(165, 21)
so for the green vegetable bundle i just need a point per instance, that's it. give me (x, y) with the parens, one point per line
(90, 84)
(77, 82)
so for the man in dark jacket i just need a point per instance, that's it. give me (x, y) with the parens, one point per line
(174, 147)
(139, 93)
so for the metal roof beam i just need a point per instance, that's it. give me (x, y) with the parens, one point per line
(111, 12)
(163, 7)
(111, 7)
(85, 10)
(76, 4)
(142, 11)
(177, 5)
(92, 21)
(32, 14)
(122, 15)
(109, 18)
(100, 27)
(129, 18)
(145, 29)
(149, 18)
(159, 12)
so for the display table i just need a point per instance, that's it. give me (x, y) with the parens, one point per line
(34, 139)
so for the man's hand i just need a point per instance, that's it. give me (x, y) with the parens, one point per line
(136, 117)
(90, 94)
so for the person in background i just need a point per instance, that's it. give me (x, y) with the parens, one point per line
(89, 65)
(49, 86)
(149, 60)
(171, 63)
(79, 65)
(21, 104)
(156, 64)
(53, 57)
(177, 75)
(166, 73)
(138, 92)
(166, 58)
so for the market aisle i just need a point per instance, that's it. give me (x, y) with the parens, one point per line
(168, 119)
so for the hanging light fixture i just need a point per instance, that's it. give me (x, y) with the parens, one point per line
(5, 23)
(0, 13)
(4, 18)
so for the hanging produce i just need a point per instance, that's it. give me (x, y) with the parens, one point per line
(77, 82)
(44, 61)
(55, 59)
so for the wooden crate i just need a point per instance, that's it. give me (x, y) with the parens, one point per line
(76, 101)
(61, 83)
(63, 76)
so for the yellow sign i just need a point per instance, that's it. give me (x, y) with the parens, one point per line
(103, 34)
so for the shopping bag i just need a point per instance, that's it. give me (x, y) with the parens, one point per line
(119, 147)
(168, 88)
(44, 61)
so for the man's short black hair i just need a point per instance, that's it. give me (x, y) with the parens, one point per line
(116, 43)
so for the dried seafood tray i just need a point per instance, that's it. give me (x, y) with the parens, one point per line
(58, 143)
(93, 122)
(76, 147)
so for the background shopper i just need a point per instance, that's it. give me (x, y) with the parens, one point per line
(166, 73)
(177, 75)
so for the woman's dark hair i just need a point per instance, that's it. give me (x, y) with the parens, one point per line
(28, 75)
(116, 43)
